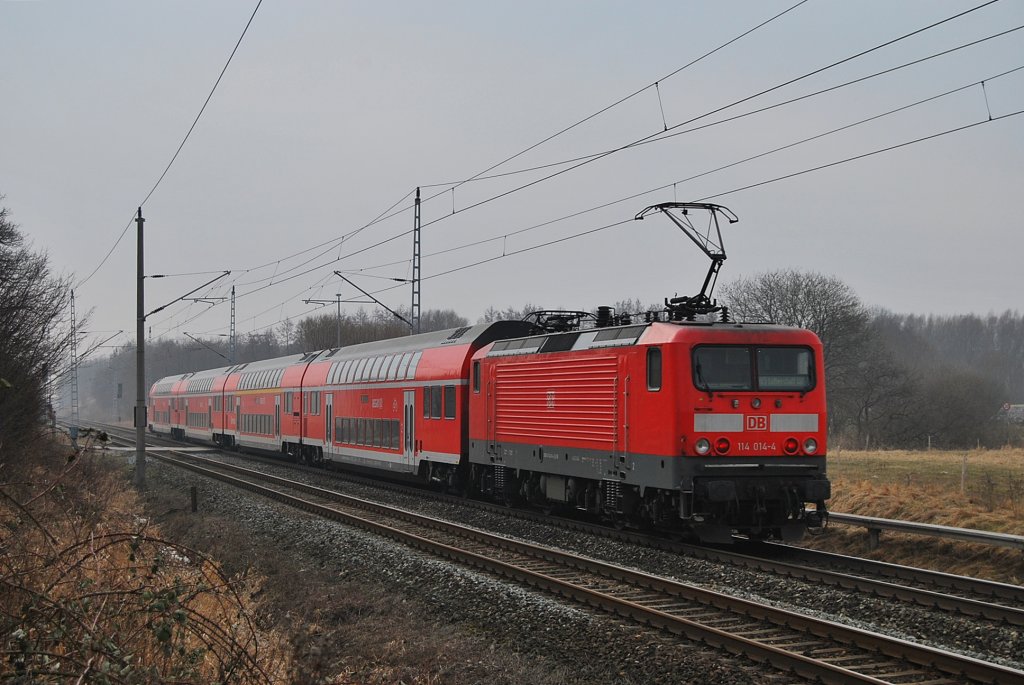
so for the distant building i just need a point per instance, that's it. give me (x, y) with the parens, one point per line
(1013, 413)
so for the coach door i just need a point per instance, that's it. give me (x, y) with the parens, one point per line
(277, 415)
(329, 422)
(409, 427)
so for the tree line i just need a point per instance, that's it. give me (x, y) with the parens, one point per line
(897, 380)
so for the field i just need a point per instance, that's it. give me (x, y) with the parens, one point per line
(982, 489)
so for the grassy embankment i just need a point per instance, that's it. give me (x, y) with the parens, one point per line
(981, 489)
(94, 590)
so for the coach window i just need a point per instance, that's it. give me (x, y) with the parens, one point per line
(375, 370)
(449, 401)
(435, 402)
(411, 374)
(476, 376)
(654, 368)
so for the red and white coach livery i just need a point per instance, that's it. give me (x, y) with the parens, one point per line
(396, 405)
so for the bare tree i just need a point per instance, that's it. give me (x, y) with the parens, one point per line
(36, 334)
(509, 313)
(830, 308)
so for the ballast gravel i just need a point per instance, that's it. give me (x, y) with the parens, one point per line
(473, 595)
(588, 646)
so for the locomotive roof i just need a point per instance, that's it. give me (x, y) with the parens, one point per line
(618, 336)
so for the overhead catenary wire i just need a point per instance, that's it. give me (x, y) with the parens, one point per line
(708, 172)
(657, 137)
(635, 143)
(668, 136)
(404, 233)
(390, 212)
(180, 146)
(790, 101)
(706, 114)
(618, 102)
(776, 179)
(734, 190)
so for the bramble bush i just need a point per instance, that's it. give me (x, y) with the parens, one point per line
(91, 593)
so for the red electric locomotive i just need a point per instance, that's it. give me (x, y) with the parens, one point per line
(717, 427)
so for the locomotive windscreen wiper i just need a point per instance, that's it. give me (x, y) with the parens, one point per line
(703, 384)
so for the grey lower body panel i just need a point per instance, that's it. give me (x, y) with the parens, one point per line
(647, 470)
(631, 469)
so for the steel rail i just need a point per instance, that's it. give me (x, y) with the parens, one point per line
(760, 557)
(975, 586)
(874, 525)
(824, 632)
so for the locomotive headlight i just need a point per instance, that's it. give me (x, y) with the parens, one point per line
(703, 446)
(756, 403)
(722, 445)
(790, 446)
(810, 445)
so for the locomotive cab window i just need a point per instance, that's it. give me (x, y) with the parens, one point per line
(654, 368)
(718, 368)
(785, 368)
(722, 367)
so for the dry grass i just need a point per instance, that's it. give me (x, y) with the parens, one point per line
(981, 489)
(92, 593)
(345, 626)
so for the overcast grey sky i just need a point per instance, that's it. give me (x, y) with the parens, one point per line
(332, 112)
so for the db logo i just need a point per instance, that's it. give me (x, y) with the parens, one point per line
(757, 423)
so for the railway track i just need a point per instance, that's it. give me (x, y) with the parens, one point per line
(809, 647)
(973, 597)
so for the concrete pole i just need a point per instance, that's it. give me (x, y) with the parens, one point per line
(140, 365)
